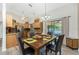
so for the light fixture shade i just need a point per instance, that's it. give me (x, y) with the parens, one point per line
(30, 5)
(43, 18)
(25, 18)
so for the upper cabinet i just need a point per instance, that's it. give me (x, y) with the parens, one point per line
(13, 23)
(26, 25)
(10, 22)
(37, 23)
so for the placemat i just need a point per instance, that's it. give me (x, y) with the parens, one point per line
(45, 39)
(30, 41)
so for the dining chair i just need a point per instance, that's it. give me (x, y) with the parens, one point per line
(32, 32)
(57, 47)
(49, 33)
(25, 51)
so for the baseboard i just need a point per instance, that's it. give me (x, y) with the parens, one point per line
(72, 48)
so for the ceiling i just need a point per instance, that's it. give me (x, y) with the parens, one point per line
(36, 9)
(31, 9)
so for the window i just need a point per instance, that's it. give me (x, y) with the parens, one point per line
(55, 27)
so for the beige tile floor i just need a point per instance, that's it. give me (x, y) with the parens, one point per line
(16, 51)
(0, 42)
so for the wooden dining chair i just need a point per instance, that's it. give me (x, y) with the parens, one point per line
(25, 51)
(57, 47)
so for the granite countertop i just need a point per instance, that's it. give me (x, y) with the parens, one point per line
(73, 38)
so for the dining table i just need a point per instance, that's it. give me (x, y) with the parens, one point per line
(37, 43)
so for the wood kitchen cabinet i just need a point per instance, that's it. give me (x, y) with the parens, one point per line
(72, 43)
(10, 22)
(38, 26)
(11, 40)
(26, 25)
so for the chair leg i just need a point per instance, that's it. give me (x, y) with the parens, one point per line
(47, 50)
(51, 51)
(60, 52)
(55, 53)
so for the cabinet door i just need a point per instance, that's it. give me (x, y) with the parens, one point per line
(69, 43)
(37, 25)
(9, 21)
(15, 43)
(75, 43)
(9, 42)
(78, 43)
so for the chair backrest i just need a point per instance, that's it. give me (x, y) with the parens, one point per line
(59, 42)
(32, 32)
(21, 44)
(49, 33)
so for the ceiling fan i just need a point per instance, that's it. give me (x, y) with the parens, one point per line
(30, 5)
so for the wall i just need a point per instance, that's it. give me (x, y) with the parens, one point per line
(78, 19)
(14, 16)
(68, 10)
(0, 20)
(0, 27)
(78, 23)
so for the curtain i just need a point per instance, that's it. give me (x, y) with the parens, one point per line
(65, 26)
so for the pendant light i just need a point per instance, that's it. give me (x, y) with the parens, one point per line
(25, 18)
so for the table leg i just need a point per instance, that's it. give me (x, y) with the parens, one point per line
(37, 52)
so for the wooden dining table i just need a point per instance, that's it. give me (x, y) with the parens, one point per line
(38, 44)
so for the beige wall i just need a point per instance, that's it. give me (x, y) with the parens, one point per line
(1, 26)
(68, 10)
(78, 24)
(78, 19)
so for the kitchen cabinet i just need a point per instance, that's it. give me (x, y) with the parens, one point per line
(10, 22)
(38, 26)
(26, 25)
(11, 40)
(72, 43)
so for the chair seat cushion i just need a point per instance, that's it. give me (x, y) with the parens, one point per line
(29, 50)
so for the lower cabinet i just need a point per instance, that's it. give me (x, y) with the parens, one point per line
(72, 43)
(11, 40)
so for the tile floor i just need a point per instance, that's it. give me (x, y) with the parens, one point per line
(0, 44)
(16, 51)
